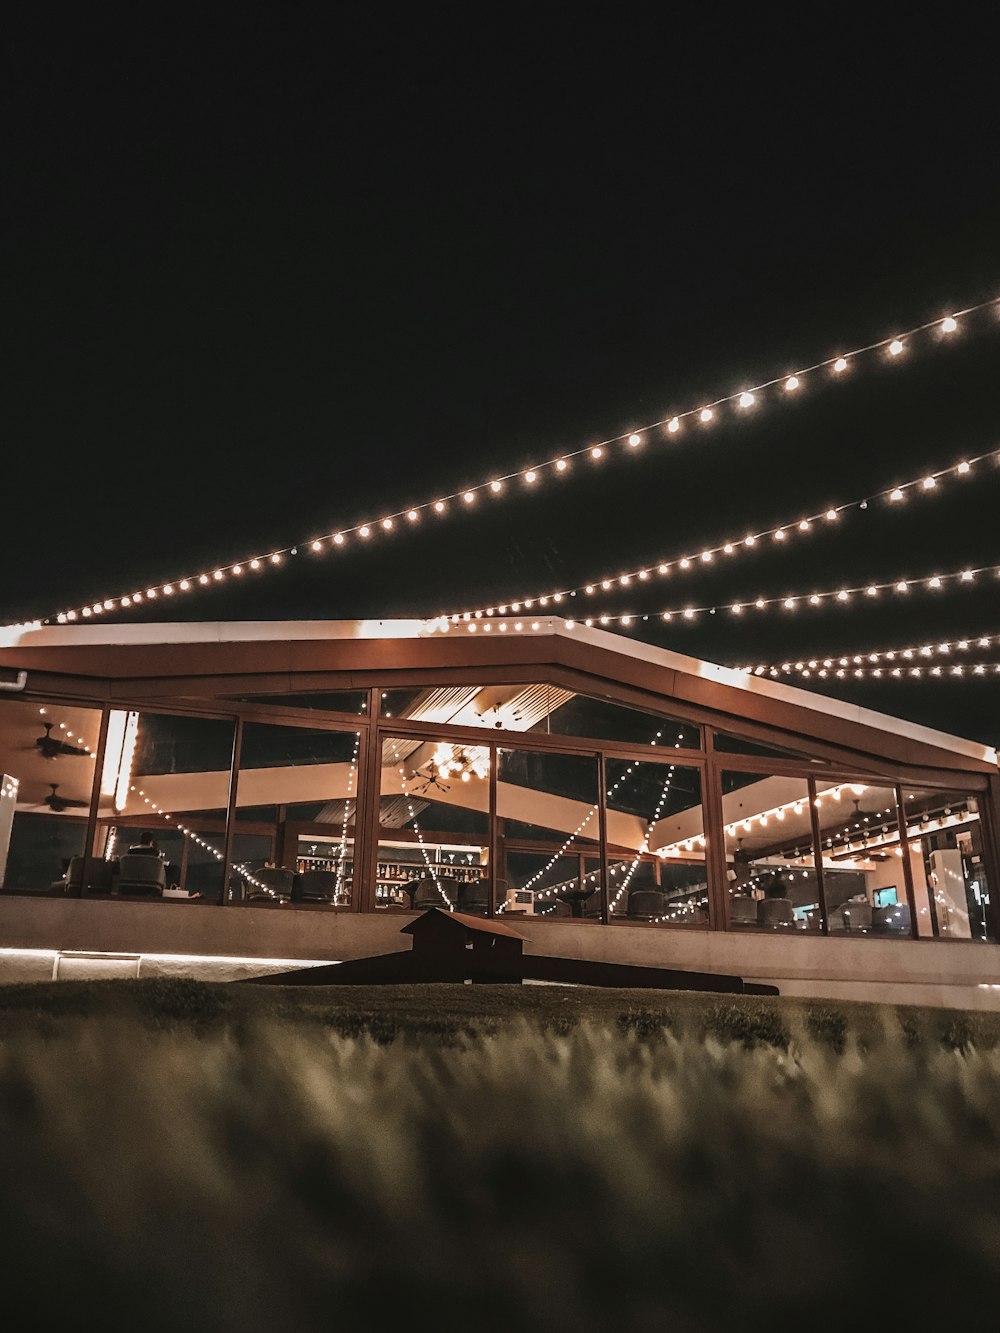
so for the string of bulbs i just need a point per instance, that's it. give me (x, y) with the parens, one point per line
(955, 670)
(790, 601)
(927, 484)
(740, 401)
(876, 656)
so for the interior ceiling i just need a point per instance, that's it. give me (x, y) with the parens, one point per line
(514, 707)
(21, 758)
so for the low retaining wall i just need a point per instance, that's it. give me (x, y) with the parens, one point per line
(42, 938)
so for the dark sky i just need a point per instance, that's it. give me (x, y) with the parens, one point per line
(274, 273)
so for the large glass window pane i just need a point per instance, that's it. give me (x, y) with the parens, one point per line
(434, 826)
(743, 745)
(354, 702)
(655, 811)
(862, 860)
(770, 864)
(47, 770)
(548, 834)
(167, 777)
(548, 709)
(950, 888)
(296, 806)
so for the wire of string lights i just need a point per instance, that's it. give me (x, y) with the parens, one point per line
(746, 399)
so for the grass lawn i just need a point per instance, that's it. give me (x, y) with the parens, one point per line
(219, 1156)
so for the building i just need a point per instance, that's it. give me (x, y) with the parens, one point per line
(310, 786)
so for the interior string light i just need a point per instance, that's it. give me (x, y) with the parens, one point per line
(438, 884)
(803, 525)
(733, 828)
(741, 401)
(554, 889)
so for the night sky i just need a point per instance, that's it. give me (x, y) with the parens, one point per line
(273, 274)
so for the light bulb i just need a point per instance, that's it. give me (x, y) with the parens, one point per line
(840, 365)
(706, 414)
(949, 325)
(746, 399)
(895, 347)
(792, 383)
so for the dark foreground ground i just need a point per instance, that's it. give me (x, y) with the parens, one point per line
(195, 1156)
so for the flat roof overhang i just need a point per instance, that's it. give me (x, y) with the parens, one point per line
(111, 657)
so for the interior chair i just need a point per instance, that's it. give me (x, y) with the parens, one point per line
(141, 876)
(776, 913)
(742, 910)
(269, 884)
(474, 897)
(853, 916)
(645, 904)
(891, 920)
(314, 886)
(426, 894)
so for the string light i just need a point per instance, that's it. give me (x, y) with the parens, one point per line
(913, 655)
(791, 602)
(961, 670)
(553, 890)
(735, 547)
(706, 413)
(423, 846)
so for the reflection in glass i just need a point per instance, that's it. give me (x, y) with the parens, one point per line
(47, 772)
(548, 709)
(548, 825)
(655, 811)
(862, 861)
(434, 824)
(770, 863)
(296, 805)
(354, 702)
(950, 887)
(742, 745)
(168, 775)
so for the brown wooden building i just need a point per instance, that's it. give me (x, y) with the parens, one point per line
(309, 784)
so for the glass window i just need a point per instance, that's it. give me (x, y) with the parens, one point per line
(655, 810)
(950, 888)
(741, 745)
(548, 834)
(296, 805)
(770, 863)
(434, 826)
(540, 708)
(168, 777)
(334, 701)
(47, 771)
(862, 861)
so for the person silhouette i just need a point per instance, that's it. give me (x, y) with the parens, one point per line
(146, 846)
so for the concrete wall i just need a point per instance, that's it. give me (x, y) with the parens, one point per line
(42, 938)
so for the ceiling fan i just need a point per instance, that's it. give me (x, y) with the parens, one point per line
(51, 746)
(58, 803)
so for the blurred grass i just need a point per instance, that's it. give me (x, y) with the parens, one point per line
(201, 1156)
